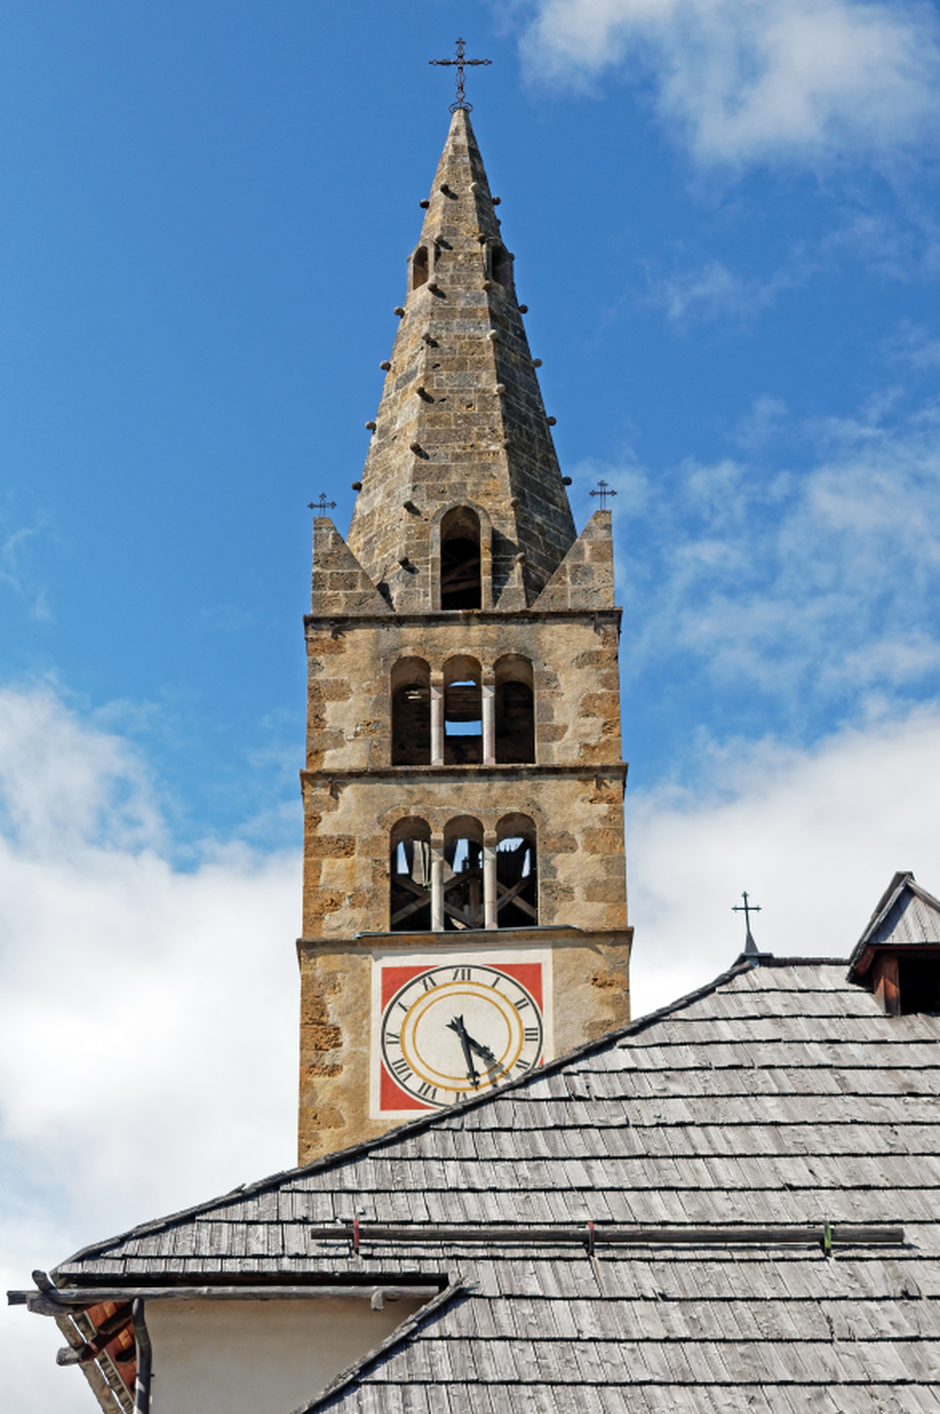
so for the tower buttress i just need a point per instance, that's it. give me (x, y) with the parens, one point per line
(464, 858)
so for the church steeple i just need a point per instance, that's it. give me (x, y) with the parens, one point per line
(463, 790)
(461, 421)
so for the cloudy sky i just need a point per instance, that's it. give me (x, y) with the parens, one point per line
(724, 218)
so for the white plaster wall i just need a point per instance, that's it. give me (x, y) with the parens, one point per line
(258, 1357)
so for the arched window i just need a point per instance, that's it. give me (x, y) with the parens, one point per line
(419, 267)
(411, 713)
(517, 890)
(463, 712)
(463, 873)
(502, 265)
(410, 877)
(515, 709)
(460, 559)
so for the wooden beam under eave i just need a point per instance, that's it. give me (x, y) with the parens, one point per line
(886, 983)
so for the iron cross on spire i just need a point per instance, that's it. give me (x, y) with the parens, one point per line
(461, 63)
(321, 506)
(747, 909)
(603, 490)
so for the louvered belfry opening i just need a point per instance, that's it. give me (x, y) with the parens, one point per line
(461, 584)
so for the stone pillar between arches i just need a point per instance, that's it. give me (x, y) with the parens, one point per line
(490, 919)
(437, 883)
(437, 719)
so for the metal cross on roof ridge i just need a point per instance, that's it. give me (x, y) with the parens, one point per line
(461, 63)
(322, 505)
(747, 909)
(603, 490)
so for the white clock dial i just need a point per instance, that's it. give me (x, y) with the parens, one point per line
(454, 1030)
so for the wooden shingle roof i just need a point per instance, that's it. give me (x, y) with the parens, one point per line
(778, 1095)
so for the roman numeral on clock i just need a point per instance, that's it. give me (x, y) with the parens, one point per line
(401, 1067)
(531, 1033)
(427, 1091)
(461, 974)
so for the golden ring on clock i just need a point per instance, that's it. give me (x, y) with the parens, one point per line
(458, 1028)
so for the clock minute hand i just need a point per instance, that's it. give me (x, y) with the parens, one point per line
(458, 1026)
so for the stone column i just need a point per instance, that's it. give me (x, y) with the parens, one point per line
(490, 918)
(437, 719)
(489, 722)
(437, 884)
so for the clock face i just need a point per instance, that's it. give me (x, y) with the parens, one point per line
(455, 1028)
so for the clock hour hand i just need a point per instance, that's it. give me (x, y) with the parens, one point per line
(465, 1041)
(483, 1051)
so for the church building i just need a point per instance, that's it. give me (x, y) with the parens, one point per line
(511, 1197)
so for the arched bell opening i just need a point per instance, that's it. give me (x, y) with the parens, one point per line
(515, 709)
(463, 712)
(463, 873)
(501, 265)
(420, 265)
(410, 877)
(411, 713)
(461, 580)
(517, 889)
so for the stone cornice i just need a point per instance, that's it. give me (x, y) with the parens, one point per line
(508, 771)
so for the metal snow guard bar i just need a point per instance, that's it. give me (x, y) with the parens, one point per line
(592, 1235)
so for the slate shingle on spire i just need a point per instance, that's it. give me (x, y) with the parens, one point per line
(461, 419)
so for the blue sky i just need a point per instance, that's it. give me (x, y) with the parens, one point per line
(724, 216)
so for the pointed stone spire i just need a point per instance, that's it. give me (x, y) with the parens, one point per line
(461, 420)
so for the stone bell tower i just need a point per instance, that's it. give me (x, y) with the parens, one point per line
(464, 879)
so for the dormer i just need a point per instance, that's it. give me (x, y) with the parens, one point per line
(898, 955)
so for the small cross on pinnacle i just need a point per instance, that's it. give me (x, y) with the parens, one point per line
(461, 63)
(747, 909)
(322, 506)
(603, 490)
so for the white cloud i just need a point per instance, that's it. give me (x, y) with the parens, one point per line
(16, 569)
(816, 586)
(147, 1015)
(751, 80)
(715, 291)
(813, 836)
(913, 344)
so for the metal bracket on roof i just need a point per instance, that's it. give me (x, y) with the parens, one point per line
(827, 1239)
(355, 1237)
(590, 1239)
